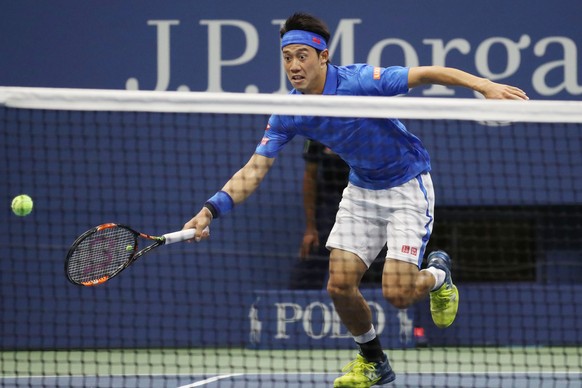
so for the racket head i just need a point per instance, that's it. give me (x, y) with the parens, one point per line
(100, 254)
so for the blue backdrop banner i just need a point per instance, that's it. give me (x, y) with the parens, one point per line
(217, 45)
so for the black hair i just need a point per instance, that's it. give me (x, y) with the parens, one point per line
(306, 22)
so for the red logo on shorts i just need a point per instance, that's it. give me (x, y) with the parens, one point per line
(409, 250)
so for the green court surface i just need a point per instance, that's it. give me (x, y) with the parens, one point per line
(546, 366)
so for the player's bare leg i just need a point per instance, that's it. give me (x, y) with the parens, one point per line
(403, 284)
(345, 272)
(371, 366)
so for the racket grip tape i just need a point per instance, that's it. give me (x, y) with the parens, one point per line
(180, 236)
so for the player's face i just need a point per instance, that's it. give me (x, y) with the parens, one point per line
(305, 69)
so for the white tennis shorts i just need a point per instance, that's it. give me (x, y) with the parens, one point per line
(401, 217)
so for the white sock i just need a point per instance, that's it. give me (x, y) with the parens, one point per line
(439, 276)
(366, 337)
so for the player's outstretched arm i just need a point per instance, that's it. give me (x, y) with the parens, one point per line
(247, 179)
(426, 75)
(236, 190)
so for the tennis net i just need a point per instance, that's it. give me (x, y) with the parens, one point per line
(241, 309)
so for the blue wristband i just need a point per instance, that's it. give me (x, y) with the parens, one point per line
(221, 203)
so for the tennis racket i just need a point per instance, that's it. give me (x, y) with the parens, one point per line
(102, 252)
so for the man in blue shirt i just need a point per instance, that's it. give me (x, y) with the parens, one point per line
(389, 198)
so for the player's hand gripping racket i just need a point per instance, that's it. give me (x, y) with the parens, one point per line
(102, 252)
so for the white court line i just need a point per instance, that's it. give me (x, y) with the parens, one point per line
(210, 380)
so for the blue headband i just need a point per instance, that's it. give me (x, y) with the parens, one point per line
(304, 37)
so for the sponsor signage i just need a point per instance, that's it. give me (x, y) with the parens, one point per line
(280, 319)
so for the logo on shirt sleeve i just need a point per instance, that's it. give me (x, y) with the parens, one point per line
(377, 71)
(268, 127)
(264, 140)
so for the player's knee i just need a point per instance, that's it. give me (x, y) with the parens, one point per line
(337, 288)
(397, 296)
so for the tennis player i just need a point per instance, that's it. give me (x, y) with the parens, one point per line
(389, 197)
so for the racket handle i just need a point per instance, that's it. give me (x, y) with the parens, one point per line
(180, 236)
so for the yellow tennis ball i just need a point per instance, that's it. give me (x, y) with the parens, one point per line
(22, 205)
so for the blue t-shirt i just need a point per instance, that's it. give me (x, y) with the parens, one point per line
(381, 153)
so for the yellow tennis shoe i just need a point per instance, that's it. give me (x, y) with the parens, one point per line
(362, 373)
(444, 302)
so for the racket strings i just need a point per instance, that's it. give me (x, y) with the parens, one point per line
(101, 254)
